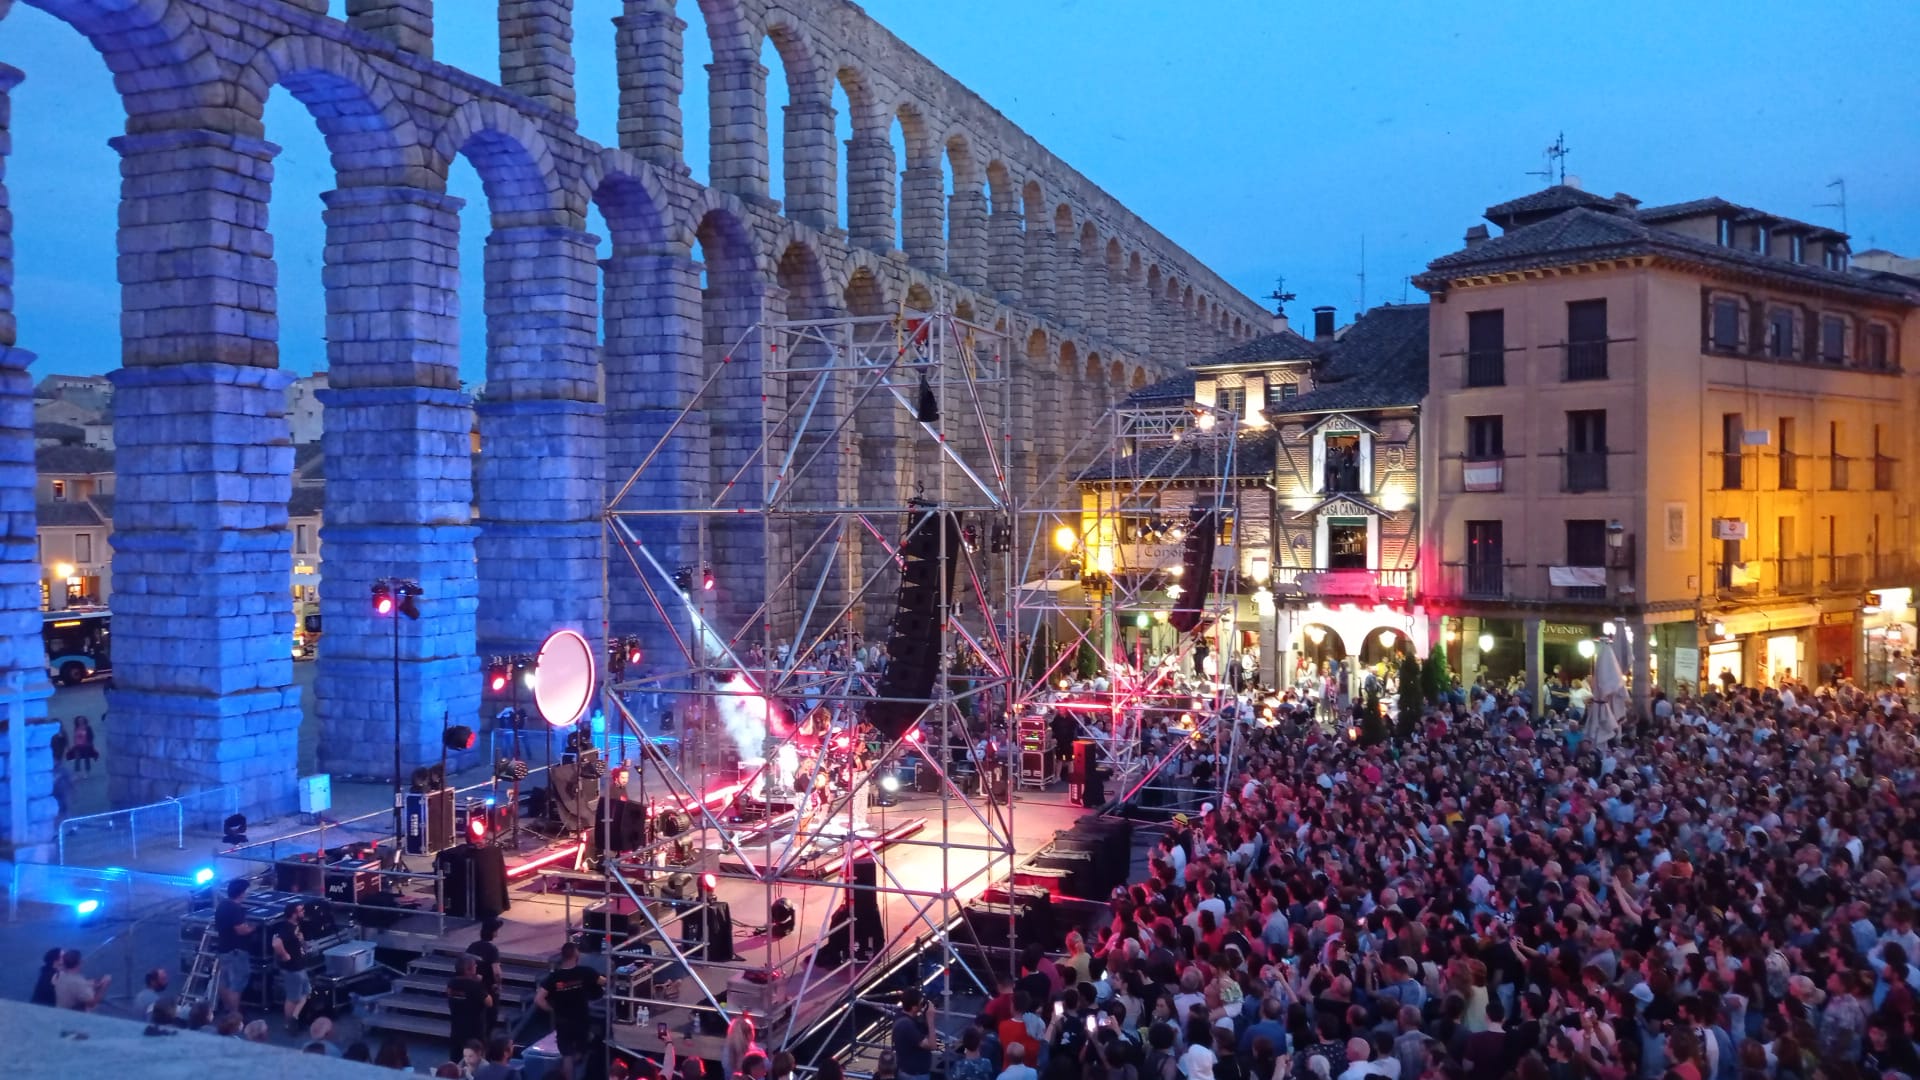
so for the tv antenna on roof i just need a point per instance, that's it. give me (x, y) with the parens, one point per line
(1839, 202)
(1556, 168)
(1280, 296)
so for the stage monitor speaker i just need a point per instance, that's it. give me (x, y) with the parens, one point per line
(616, 915)
(576, 797)
(475, 880)
(709, 933)
(913, 646)
(1196, 561)
(625, 829)
(1085, 786)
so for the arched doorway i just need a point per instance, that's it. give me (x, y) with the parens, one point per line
(1320, 647)
(1386, 644)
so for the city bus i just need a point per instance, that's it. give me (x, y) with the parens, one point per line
(77, 644)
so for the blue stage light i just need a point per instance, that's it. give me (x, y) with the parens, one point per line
(87, 907)
(489, 802)
(203, 875)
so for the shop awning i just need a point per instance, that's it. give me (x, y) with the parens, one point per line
(1755, 622)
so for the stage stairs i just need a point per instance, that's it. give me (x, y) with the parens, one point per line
(417, 1003)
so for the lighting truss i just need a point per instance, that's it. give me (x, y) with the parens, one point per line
(829, 531)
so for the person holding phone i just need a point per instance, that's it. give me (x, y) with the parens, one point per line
(913, 1040)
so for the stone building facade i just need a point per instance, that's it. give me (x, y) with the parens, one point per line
(1097, 298)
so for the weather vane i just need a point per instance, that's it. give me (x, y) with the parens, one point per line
(1556, 161)
(1280, 296)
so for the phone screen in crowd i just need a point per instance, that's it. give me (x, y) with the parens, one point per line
(662, 1032)
(1059, 1008)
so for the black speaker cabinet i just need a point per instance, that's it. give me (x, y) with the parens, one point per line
(350, 881)
(616, 915)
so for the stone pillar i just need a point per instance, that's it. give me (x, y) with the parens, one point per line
(399, 497)
(202, 566)
(536, 51)
(647, 46)
(733, 304)
(1019, 453)
(811, 168)
(542, 443)
(1641, 693)
(23, 660)
(1532, 661)
(654, 370)
(870, 164)
(1069, 282)
(1042, 287)
(967, 238)
(406, 23)
(1006, 254)
(923, 217)
(1050, 438)
(737, 97)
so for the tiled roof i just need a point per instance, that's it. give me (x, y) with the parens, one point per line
(1265, 349)
(308, 462)
(306, 501)
(103, 504)
(1172, 390)
(1547, 200)
(1380, 362)
(1583, 233)
(1192, 458)
(67, 513)
(72, 460)
(1654, 215)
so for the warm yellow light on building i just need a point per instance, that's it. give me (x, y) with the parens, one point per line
(1260, 568)
(1386, 639)
(1394, 499)
(1065, 538)
(1206, 421)
(1486, 642)
(63, 570)
(1316, 634)
(1103, 560)
(1585, 648)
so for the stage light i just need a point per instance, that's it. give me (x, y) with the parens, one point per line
(1173, 592)
(781, 918)
(529, 677)
(1206, 421)
(1141, 620)
(233, 830)
(407, 606)
(458, 737)
(87, 907)
(382, 599)
(915, 736)
(1607, 628)
(1160, 616)
(706, 579)
(1486, 642)
(890, 783)
(1065, 538)
(498, 674)
(1386, 639)
(709, 882)
(477, 827)
(671, 823)
(510, 769)
(683, 579)
(1585, 648)
(203, 876)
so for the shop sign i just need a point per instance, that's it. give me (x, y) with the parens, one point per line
(1835, 618)
(1565, 630)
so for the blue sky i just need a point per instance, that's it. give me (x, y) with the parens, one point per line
(1265, 138)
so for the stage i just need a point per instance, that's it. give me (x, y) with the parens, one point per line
(932, 855)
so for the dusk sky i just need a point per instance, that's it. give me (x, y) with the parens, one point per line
(1267, 139)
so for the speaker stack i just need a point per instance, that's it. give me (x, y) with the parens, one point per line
(913, 643)
(1196, 561)
(1085, 784)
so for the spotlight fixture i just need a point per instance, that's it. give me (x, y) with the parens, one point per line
(382, 599)
(671, 823)
(708, 882)
(203, 876)
(512, 770)
(458, 737)
(706, 579)
(683, 579)
(890, 783)
(498, 674)
(781, 918)
(409, 592)
(234, 829)
(87, 907)
(477, 827)
(621, 654)
(679, 886)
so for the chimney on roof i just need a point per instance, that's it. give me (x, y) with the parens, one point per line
(1625, 201)
(1280, 324)
(1476, 235)
(1323, 323)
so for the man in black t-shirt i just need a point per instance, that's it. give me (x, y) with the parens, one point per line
(290, 956)
(487, 956)
(468, 1003)
(233, 931)
(567, 993)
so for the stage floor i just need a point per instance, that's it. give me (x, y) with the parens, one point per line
(545, 911)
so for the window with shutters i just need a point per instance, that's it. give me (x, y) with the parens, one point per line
(1586, 340)
(1724, 325)
(1487, 348)
(1783, 334)
(1833, 339)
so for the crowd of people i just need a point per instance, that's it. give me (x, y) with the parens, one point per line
(1726, 892)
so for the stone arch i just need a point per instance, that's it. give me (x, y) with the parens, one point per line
(1151, 314)
(922, 194)
(864, 294)
(1134, 315)
(808, 169)
(1005, 222)
(1092, 306)
(919, 297)
(1037, 285)
(1138, 379)
(869, 163)
(354, 107)
(515, 163)
(729, 29)
(963, 310)
(155, 46)
(636, 206)
(967, 214)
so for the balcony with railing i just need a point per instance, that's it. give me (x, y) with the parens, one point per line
(1889, 570)
(1486, 367)
(1794, 575)
(1846, 571)
(1734, 580)
(1522, 584)
(1585, 471)
(1586, 360)
(1345, 583)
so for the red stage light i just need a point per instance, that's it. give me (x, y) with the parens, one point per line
(915, 736)
(706, 580)
(498, 682)
(709, 882)
(633, 654)
(841, 742)
(477, 827)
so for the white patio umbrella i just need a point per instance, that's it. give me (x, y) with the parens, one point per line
(1609, 702)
